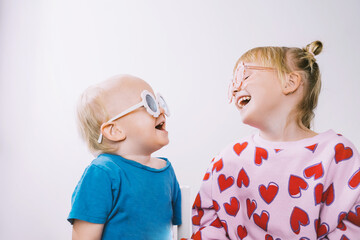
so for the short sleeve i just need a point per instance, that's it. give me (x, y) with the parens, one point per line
(176, 204)
(92, 197)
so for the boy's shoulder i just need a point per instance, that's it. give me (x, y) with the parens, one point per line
(105, 162)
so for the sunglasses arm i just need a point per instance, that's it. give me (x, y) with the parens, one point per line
(129, 110)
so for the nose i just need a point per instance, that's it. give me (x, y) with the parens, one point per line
(242, 85)
(236, 89)
(162, 110)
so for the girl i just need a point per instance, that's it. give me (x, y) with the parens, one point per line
(286, 181)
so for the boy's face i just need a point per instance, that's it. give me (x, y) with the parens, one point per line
(142, 131)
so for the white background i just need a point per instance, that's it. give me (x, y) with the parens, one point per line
(50, 51)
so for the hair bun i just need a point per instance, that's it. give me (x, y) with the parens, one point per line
(314, 48)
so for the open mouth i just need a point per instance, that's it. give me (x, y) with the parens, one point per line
(160, 126)
(243, 101)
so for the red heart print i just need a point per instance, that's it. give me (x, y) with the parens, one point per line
(242, 232)
(312, 147)
(196, 219)
(277, 150)
(269, 193)
(197, 235)
(216, 223)
(232, 208)
(260, 154)
(206, 177)
(238, 148)
(344, 237)
(225, 183)
(316, 170)
(321, 228)
(218, 165)
(197, 202)
(251, 206)
(342, 153)
(262, 221)
(268, 237)
(295, 185)
(216, 206)
(341, 225)
(354, 217)
(298, 217)
(318, 191)
(328, 195)
(224, 224)
(243, 178)
(354, 180)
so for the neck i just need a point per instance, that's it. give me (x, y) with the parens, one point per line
(134, 154)
(286, 131)
(142, 159)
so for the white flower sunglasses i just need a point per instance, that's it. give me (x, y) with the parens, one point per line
(151, 104)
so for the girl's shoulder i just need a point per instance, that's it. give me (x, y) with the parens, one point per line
(337, 140)
(342, 146)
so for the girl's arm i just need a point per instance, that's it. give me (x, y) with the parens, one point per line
(83, 230)
(340, 217)
(206, 224)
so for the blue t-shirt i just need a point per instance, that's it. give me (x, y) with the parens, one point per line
(132, 200)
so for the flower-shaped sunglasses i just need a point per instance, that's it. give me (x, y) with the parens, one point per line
(151, 104)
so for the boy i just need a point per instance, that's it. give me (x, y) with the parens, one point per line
(125, 193)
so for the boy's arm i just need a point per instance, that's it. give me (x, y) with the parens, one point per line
(83, 230)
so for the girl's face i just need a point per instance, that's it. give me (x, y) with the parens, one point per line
(259, 97)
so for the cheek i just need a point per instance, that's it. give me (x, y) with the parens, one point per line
(140, 123)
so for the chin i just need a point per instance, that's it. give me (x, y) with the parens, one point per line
(165, 142)
(163, 139)
(161, 144)
(246, 119)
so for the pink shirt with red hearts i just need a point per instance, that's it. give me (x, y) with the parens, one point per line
(258, 189)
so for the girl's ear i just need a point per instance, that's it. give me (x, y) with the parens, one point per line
(112, 132)
(292, 83)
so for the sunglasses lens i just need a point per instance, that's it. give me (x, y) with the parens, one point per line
(164, 105)
(151, 103)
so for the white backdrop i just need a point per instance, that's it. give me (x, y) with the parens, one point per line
(50, 51)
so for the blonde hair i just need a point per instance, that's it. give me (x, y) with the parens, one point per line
(91, 114)
(287, 60)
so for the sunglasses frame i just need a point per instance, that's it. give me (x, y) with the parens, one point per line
(235, 84)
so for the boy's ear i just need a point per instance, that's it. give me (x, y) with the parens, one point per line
(112, 132)
(292, 83)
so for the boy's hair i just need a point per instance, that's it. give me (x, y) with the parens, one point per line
(91, 114)
(287, 60)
